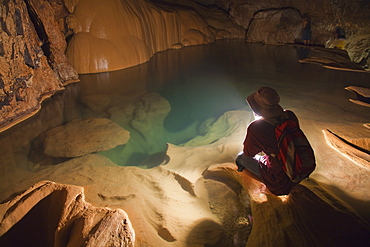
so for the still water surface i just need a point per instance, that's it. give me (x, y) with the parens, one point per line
(187, 89)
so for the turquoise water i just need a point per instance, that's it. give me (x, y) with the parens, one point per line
(199, 84)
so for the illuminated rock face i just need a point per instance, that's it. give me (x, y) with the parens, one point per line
(179, 204)
(108, 35)
(115, 34)
(64, 219)
(32, 61)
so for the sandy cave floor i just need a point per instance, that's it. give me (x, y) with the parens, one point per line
(198, 198)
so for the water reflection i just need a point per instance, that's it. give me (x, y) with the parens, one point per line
(303, 52)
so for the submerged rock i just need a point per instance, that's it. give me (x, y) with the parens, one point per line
(81, 137)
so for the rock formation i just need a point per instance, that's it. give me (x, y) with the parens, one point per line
(111, 35)
(63, 219)
(329, 58)
(193, 200)
(102, 36)
(275, 27)
(32, 61)
(361, 96)
(352, 16)
(106, 36)
(81, 137)
(353, 149)
(177, 203)
(167, 205)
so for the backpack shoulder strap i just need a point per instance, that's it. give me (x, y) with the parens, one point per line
(276, 121)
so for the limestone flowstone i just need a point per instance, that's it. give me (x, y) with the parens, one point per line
(111, 35)
(84, 136)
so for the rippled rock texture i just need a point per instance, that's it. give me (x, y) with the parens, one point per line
(180, 203)
(63, 219)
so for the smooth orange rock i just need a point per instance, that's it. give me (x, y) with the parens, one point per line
(111, 35)
(59, 216)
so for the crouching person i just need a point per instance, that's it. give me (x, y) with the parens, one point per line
(259, 157)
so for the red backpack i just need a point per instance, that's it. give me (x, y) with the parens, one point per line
(295, 155)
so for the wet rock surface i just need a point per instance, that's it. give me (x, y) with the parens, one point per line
(35, 34)
(34, 67)
(32, 61)
(112, 35)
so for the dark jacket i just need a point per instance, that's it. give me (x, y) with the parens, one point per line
(261, 137)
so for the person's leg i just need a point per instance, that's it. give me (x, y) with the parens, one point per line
(250, 166)
(248, 163)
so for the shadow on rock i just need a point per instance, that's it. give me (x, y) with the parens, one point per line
(206, 233)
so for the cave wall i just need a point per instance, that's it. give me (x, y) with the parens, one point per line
(35, 60)
(352, 15)
(32, 61)
(115, 34)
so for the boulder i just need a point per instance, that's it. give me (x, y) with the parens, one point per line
(51, 214)
(358, 48)
(84, 136)
(275, 27)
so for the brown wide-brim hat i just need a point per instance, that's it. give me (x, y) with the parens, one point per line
(265, 102)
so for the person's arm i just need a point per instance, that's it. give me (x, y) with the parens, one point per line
(251, 146)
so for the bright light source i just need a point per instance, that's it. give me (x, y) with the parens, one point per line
(259, 156)
(256, 117)
(284, 198)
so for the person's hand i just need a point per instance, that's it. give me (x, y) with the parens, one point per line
(264, 189)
